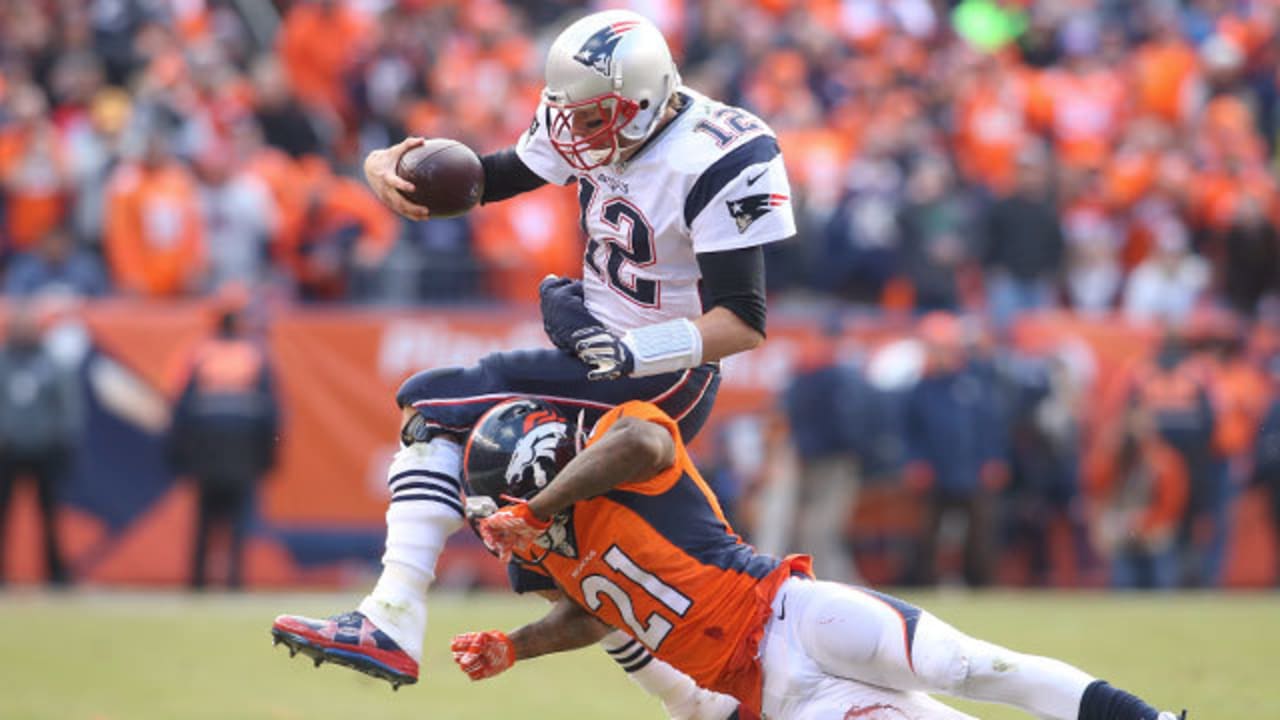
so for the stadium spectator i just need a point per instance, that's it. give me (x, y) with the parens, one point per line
(55, 265)
(862, 239)
(94, 147)
(1045, 460)
(1266, 458)
(1174, 390)
(1166, 286)
(154, 234)
(937, 227)
(1249, 258)
(1140, 487)
(1024, 242)
(239, 216)
(1094, 274)
(41, 418)
(285, 124)
(320, 43)
(1239, 392)
(825, 402)
(35, 172)
(224, 436)
(343, 233)
(956, 451)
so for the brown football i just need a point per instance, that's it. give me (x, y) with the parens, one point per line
(447, 177)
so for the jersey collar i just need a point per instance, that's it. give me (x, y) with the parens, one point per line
(686, 102)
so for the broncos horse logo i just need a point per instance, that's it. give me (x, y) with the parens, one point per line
(597, 52)
(535, 455)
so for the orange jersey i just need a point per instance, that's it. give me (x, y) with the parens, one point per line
(657, 559)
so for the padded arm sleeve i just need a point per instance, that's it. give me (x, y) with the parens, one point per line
(734, 280)
(506, 175)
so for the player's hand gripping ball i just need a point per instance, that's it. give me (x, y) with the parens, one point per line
(447, 177)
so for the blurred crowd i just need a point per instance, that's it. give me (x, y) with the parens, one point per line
(973, 159)
(1017, 463)
(984, 155)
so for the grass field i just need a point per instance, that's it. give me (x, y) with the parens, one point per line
(170, 656)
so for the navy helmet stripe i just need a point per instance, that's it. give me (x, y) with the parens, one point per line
(684, 517)
(723, 171)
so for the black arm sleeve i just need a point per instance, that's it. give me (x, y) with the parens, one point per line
(734, 280)
(506, 175)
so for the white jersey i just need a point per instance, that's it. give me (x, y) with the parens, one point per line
(712, 179)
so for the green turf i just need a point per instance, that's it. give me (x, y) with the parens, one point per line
(143, 657)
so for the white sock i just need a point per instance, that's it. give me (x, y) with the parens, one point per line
(681, 697)
(426, 508)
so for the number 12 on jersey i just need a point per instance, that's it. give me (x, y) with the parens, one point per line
(655, 628)
(630, 243)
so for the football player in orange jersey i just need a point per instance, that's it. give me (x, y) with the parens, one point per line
(635, 540)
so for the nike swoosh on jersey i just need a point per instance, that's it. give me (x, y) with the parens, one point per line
(782, 611)
(752, 181)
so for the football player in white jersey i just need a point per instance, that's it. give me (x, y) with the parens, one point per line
(676, 191)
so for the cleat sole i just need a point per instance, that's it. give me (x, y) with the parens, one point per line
(345, 658)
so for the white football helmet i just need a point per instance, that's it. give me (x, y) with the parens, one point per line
(609, 77)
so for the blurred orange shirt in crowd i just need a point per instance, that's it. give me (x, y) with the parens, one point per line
(318, 46)
(1084, 113)
(153, 234)
(521, 240)
(1164, 78)
(34, 177)
(1164, 471)
(990, 130)
(332, 204)
(1241, 396)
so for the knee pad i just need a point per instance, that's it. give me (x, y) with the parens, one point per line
(945, 658)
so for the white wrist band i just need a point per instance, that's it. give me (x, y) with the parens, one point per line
(664, 347)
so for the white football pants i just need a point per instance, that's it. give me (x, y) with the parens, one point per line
(833, 651)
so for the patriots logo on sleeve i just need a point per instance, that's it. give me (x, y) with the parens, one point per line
(746, 210)
(597, 52)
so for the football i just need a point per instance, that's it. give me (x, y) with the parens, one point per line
(447, 177)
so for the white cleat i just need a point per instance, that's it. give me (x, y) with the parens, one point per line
(1172, 716)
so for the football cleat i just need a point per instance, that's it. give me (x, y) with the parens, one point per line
(350, 640)
(1172, 716)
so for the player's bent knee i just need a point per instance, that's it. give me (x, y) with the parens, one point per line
(946, 660)
(426, 384)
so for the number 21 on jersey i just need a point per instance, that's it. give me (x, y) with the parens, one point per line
(654, 628)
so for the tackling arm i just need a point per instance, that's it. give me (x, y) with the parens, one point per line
(631, 450)
(566, 626)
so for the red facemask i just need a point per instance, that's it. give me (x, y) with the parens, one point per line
(587, 149)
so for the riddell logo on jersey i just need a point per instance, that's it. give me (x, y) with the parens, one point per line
(746, 210)
(597, 52)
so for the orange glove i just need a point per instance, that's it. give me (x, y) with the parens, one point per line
(514, 527)
(481, 655)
